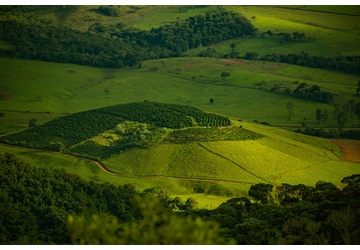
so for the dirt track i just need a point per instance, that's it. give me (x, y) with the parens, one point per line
(106, 170)
(351, 149)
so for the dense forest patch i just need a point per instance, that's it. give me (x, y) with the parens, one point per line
(115, 46)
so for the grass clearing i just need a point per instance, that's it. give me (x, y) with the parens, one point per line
(65, 88)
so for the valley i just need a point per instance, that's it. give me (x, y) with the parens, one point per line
(220, 112)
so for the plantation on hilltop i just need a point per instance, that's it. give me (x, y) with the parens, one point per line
(186, 125)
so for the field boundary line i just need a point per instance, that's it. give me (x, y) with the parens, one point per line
(108, 171)
(321, 11)
(34, 112)
(307, 167)
(220, 155)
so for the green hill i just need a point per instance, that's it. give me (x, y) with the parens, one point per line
(210, 171)
(222, 72)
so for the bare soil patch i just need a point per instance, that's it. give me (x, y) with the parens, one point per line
(351, 149)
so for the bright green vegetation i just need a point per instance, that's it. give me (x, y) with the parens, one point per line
(50, 206)
(107, 123)
(335, 34)
(64, 88)
(280, 156)
(214, 193)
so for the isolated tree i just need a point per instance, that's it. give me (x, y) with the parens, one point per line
(233, 46)
(290, 107)
(319, 115)
(336, 111)
(32, 123)
(106, 90)
(211, 100)
(325, 115)
(303, 123)
(351, 108)
(342, 119)
(225, 74)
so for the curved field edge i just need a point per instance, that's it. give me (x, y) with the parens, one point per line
(90, 171)
(281, 156)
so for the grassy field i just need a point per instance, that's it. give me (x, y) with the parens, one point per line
(44, 91)
(226, 168)
(278, 157)
(65, 88)
(89, 171)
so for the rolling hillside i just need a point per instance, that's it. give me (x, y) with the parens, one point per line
(207, 141)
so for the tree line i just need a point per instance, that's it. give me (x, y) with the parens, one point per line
(291, 214)
(195, 31)
(117, 46)
(347, 64)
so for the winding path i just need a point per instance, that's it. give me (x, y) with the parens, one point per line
(106, 170)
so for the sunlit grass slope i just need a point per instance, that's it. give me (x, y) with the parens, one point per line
(229, 167)
(279, 157)
(64, 88)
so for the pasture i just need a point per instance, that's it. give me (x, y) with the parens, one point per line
(65, 88)
(44, 91)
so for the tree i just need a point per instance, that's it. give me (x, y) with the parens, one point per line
(251, 56)
(342, 119)
(358, 89)
(191, 204)
(290, 107)
(225, 74)
(357, 110)
(319, 115)
(261, 192)
(342, 221)
(336, 111)
(211, 100)
(233, 46)
(32, 123)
